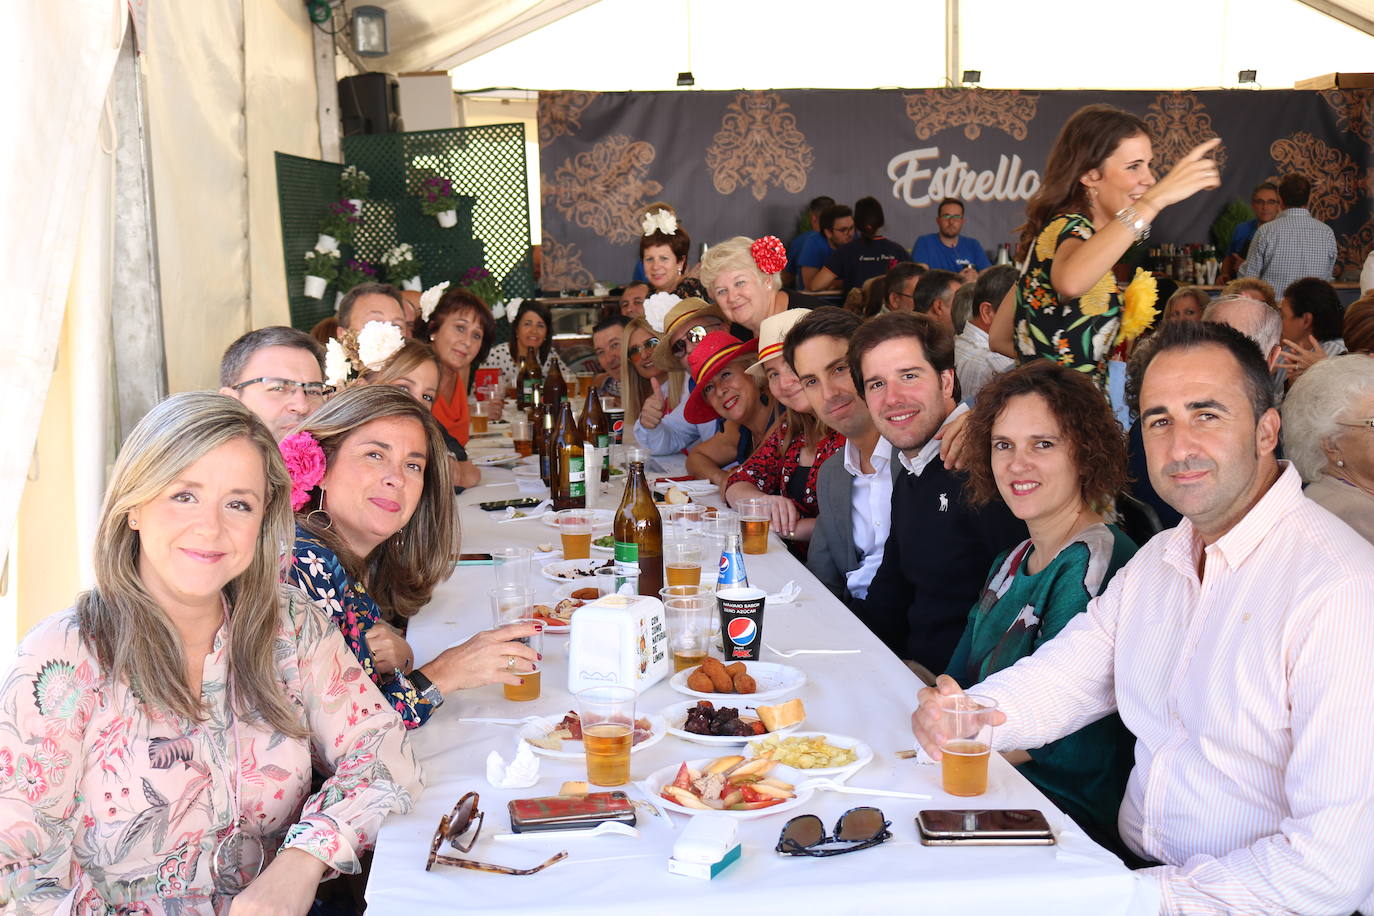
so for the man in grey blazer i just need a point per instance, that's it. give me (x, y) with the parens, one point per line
(854, 496)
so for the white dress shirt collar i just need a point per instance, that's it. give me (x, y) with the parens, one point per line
(1185, 545)
(917, 464)
(882, 454)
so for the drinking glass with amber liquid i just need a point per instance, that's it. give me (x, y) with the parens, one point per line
(967, 730)
(608, 723)
(522, 433)
(682, 562)
(689, 628)
(575, 530)
(753, 522)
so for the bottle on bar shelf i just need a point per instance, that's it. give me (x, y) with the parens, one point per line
(638, 531)
(569, 486)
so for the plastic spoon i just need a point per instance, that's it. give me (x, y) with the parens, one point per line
(607, 828)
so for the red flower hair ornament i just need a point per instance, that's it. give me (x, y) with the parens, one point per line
(305, 463)
(770, 254)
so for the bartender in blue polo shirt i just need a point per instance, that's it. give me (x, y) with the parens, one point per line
(947, 249)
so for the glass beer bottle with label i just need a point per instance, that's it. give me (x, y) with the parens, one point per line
(555, 388)
(547, 458)
(638, 531)
(596, 432)
(530, 379)
(569, 487)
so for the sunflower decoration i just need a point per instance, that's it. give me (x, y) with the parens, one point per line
(1139, 311)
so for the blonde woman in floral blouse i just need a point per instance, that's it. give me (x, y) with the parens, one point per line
(1098, 197)
(156, 741)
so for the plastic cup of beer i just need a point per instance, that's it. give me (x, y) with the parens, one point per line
(753, 521)
(682, 560)
(477, 418)
(522, 435)
(512, 566)
(488, 402)
(528, 671)
(967, 731)
(689, 629)
(575, 528)
(608, 722)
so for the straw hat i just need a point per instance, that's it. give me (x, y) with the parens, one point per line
(771, 334)
(716, 351)
(678, 317)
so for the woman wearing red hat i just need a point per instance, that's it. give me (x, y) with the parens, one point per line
(725, 389)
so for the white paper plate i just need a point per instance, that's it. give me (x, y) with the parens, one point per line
(861, 749)
(574, 570)
(773, 680)
(660, 778)
(504, 457)
(573, 750)
(559, 593)
(601, 521)
(697, 487)
(676, 717)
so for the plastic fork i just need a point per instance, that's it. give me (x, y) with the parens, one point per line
(791, 652)
(821, 783)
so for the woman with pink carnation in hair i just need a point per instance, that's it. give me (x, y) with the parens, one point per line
(375, 527)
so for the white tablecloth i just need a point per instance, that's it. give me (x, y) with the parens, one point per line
(869, 696)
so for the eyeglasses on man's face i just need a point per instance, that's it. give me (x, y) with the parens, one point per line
(284, 388)
(459, 828)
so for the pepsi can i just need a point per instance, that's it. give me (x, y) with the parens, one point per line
(732, 573)
(741, 622)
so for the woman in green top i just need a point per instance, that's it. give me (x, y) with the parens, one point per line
(1097, 198)
(1043, 439)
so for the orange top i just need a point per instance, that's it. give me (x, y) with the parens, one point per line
(453, 415)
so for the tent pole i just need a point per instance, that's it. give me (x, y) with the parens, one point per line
(952, 43)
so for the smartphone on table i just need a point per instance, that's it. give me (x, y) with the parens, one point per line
(997, 827)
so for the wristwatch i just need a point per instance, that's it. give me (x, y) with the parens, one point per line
(426, 689)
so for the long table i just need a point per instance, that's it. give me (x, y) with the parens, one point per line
(869, 696)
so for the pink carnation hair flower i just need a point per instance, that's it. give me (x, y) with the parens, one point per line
(305, 463)
(770, 254)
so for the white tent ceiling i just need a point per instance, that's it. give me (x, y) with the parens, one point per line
(446, 34)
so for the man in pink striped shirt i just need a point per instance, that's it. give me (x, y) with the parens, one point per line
(1237, 647)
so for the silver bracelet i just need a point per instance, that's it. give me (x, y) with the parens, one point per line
(1134, 222)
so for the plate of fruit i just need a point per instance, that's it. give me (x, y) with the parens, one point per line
(743, 788)
(724, 723)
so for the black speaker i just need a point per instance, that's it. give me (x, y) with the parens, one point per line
(369, 103)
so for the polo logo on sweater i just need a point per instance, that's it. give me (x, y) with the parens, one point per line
(944, 502)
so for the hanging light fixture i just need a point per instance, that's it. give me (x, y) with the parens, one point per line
(369, 31)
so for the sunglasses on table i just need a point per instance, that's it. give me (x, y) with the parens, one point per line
(858, 828)
(459, 828)
(640, 348)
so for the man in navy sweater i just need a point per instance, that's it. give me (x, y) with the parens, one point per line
(940, 550)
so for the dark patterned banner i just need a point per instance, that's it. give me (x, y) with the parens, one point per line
(746, 163)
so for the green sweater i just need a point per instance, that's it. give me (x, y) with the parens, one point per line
(1085, 772)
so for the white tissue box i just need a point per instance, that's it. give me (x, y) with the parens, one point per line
(618, 641)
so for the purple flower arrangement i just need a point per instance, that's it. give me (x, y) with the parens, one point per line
(436, 195)
(342, 221)
(356, 271)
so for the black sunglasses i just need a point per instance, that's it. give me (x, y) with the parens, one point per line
(466, 819)
(858, 827)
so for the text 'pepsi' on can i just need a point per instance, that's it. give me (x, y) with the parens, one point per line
(741, 623)
(732, 573)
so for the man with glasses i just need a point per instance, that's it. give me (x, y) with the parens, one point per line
(947, 249)
(663, 431)
(278, 373)
(837, 230)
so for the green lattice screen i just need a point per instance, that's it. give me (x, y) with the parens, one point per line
(487, 168)
(305, 189)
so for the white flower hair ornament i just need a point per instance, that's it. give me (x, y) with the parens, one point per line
(657, 307)
(337, 366)
(659, 221)
(500, 309)
(429, 299)
(378, 341)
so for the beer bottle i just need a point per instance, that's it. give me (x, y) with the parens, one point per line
(531, 377)
(638, 532)
(548, 459)
(569, 488)
(537, 425)
(596, 431)
(555, 388)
